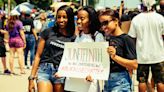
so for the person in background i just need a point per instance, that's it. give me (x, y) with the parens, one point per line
(121, 50)
(148, 28)
(40, 24)
(17, 41)
(31, 38)
(3, 40)
(50, 51)
(3, 50)
(51, 20)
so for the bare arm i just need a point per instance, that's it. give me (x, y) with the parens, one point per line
(120, 10)
(129, 64)
(35, 34)
(37, 57)
(22, 34)
(35, 65)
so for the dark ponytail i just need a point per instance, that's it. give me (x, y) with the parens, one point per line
(11, 24)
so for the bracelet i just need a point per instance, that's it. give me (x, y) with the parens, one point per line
(31, 78)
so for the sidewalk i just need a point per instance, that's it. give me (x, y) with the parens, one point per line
(13, 83)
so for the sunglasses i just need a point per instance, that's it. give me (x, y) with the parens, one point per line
(104, 23)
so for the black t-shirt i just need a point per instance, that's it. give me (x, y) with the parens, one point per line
(125, 47)
(1, 35)
(54, 46)
(28, 25)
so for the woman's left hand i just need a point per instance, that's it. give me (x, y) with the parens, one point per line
(89, 78)
(57, 75)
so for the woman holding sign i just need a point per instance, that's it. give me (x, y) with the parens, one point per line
(121, 50)
(88, 25)
(49, 53)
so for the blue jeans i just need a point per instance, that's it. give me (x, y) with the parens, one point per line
(46, 73)
(30, 46)
(118, 82)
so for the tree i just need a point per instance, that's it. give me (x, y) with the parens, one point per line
(93, 2)
(20, 1)
(3, 2)
(43, 4)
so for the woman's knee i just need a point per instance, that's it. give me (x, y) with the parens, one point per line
(59, 87)
(20, 51)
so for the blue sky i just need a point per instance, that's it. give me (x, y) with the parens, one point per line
(111, 3)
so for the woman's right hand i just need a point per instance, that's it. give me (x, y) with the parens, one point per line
(57, 75)
(89, 78)
(31, 86)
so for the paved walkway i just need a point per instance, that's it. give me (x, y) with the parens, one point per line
(13, 83)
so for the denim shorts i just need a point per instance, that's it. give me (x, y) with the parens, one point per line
(46, 73)
(118, 82)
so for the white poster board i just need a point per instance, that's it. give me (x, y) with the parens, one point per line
(79, 85)
(82, 59)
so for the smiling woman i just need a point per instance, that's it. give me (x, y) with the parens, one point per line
(88, 26)
(50, 51)
(122, 59)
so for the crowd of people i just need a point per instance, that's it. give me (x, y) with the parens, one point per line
(136, 45)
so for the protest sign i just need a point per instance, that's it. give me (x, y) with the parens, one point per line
(82, 59)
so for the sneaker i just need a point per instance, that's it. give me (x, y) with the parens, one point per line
(7, 71)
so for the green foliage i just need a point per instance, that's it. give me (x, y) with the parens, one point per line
(44, 4)
(6, 1)
(93, 2)
(157, 1)
(34, 2)
(20, 1)
(2, 2)
(13, 2)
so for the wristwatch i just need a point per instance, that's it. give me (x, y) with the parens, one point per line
(31, 77)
